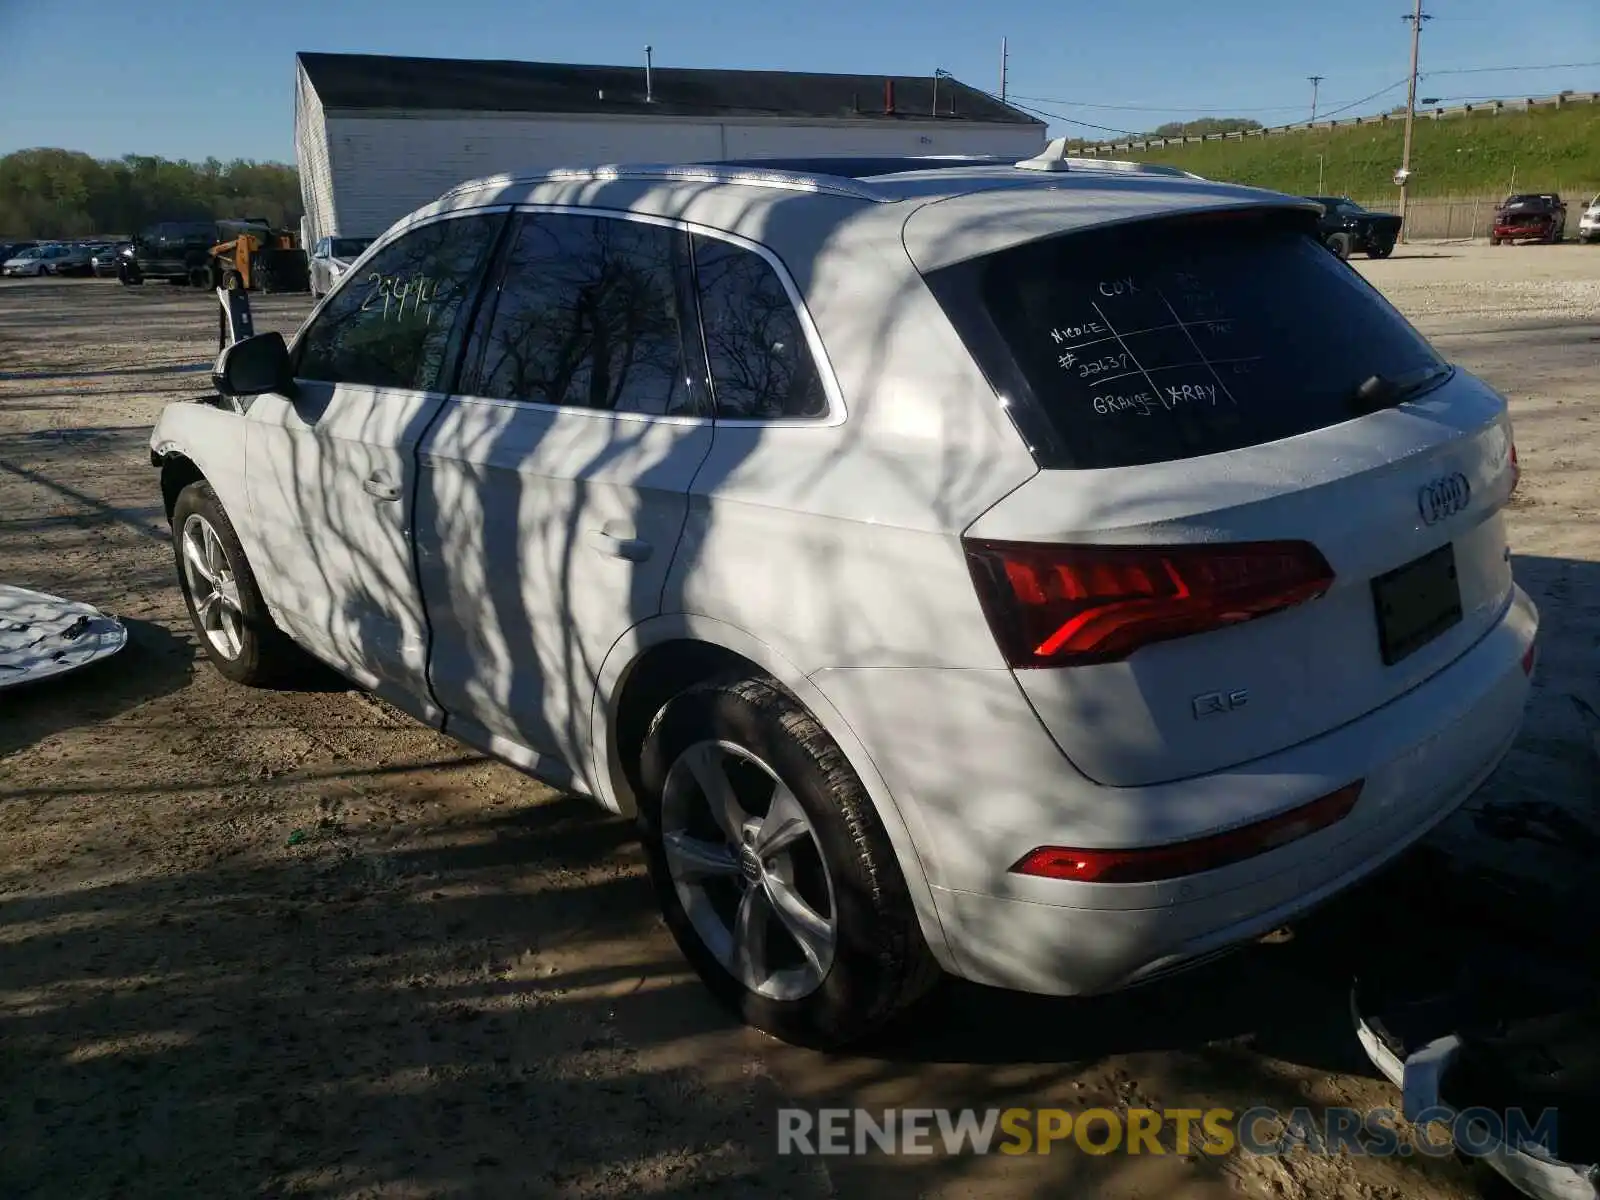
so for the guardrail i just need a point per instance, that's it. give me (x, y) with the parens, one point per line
(1525, 104)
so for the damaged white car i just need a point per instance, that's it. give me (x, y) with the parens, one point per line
(1054, 573)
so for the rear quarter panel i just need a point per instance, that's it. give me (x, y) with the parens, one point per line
(837, 541)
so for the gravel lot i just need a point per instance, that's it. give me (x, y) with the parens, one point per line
(271, 944)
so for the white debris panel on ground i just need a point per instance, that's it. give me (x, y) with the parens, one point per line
(43, 635)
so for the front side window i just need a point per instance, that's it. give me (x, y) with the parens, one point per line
(761, 364)
(390, 326)
(588, 316)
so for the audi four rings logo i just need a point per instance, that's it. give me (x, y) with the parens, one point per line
(1443, 497)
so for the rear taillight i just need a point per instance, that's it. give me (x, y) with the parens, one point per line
(1152, 863)
(1058, 606)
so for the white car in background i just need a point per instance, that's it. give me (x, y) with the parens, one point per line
(50, 259)
(1054, 573)
(1589, 222)
(331, 257)
(34, 261)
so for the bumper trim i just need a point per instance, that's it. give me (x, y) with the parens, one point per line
(1527, 1168)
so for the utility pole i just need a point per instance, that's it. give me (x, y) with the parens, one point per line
(1403, 176)
(1003, 62)
(1316, 81)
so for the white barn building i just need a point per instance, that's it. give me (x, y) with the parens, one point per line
(376, 136)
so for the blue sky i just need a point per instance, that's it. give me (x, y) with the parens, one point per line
(121, 76)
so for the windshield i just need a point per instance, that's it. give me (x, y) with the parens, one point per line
(349, 248)
(30, 252)
(1168, 340)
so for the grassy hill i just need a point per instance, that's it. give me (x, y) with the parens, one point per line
(1548, 149)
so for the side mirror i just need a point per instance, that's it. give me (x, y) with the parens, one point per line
(255, 365)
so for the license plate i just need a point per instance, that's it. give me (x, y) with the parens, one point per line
(1416, 603)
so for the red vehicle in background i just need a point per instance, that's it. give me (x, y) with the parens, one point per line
(1529, 217)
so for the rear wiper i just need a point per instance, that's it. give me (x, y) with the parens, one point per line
(1384, 391)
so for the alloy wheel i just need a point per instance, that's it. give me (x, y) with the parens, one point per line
(212, 587)
(747, 867)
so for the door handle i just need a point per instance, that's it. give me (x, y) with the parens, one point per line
(609, 544)
(378, 484)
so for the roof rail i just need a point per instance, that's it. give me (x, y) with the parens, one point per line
(1054, 157)
(748, 176)
(852, 167)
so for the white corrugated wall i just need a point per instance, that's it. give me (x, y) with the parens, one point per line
(375, 168)
(311, 155)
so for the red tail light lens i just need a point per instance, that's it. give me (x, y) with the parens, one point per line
(1155, 863)
(1056, 606)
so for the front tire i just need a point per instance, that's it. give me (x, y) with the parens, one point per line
(1340, 244)
(219, 589)
(772, 868)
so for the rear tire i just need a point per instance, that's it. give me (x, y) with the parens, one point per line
(219, 589)
(801, 923)
(1379, 251)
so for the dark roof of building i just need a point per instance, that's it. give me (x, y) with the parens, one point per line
(367, 81)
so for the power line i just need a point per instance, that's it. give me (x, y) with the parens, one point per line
(1157, 108)
(1054, 116)
(1356, 103)
(1012, 100)
(1264, 108)
(1488, 70)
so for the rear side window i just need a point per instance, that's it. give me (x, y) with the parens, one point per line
(588, 316)
(391, 325)
(1170, 340)
(761, 365)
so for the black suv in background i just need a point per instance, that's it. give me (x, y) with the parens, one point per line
(177, 251)
(1348, 229)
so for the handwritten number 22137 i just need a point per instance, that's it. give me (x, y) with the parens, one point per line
(1099, 366)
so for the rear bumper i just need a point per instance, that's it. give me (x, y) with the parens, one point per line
(1421, 756)
(1530, 1169)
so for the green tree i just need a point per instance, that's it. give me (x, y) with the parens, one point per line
(1205, 125)
(64, 193)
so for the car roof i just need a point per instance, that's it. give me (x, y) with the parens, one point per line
(945, 208)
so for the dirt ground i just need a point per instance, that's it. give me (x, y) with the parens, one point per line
(273, 944)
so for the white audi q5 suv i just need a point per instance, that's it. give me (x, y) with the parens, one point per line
(1050, 572)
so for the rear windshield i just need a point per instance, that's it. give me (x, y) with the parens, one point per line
(1169, 340)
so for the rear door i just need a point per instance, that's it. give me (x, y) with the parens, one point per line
(1199, 383)
(555, 485)
(331, 471)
